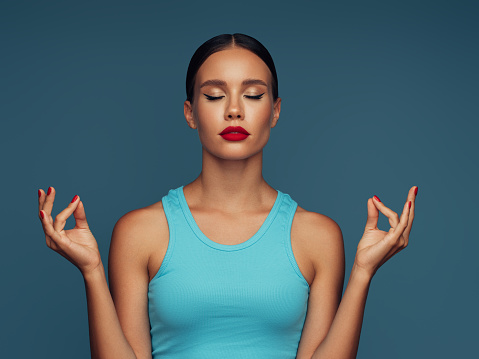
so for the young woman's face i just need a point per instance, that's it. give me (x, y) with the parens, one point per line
(233, 88)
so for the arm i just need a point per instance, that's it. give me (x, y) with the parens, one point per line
(333, 325)
(374, 249)
(342, 340)
(135, 236)
(107, 339)
(119, 322)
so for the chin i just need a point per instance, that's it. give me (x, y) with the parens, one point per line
(233, 155)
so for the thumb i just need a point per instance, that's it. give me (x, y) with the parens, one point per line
(373, 215)
(80, 216)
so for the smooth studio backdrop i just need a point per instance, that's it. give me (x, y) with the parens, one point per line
(378, 96)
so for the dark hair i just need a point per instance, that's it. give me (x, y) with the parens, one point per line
(222, 42)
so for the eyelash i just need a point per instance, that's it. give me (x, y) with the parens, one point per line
(213, 98)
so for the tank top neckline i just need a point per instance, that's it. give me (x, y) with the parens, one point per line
(228, 247)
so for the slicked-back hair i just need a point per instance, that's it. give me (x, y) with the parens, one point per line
(222, 42)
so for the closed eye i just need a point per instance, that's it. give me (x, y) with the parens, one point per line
(213, 98)
(255, 97)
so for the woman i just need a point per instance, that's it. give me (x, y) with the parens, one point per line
(226, 266)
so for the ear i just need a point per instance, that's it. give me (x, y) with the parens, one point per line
(276, 111)
(188, 111)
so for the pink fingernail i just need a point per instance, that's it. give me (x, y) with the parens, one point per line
(74, 198)
(377, 198)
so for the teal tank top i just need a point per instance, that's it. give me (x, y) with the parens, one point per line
(211, 300)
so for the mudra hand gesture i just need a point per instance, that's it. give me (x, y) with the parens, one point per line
(77, 244)
(376, 246)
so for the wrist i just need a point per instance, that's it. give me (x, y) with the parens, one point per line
(95, 274)
(358, 273)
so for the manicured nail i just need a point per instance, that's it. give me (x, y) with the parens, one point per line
(42, 215)
(377, 198)
(409, 204)
(39, 193)
(74, 198)
(49, 190)
(415, 191)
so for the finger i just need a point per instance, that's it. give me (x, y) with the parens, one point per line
(396, 240)
(80, 216)
(41, 199)
(48, 203)
(411, 197)
(373, 215)
(389, 213)
(50, 232)
(399, 229)
(61, 218)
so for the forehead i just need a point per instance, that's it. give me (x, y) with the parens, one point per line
(232, 65)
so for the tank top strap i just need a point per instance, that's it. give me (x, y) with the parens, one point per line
(174, 217)
(288, 211)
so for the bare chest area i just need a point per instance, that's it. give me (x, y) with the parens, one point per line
(229, 229)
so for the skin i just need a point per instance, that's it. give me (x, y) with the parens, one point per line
(229, 201)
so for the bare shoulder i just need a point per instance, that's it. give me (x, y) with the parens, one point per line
(141, 222)
(140, 232)
(318, 240)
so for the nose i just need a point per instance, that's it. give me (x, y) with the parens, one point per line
(234, 110)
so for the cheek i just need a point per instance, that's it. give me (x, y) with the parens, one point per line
(207, 118)
(260, 112)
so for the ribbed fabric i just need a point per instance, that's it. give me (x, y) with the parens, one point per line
(210, 300)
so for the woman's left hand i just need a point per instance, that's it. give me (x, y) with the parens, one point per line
(376, 246)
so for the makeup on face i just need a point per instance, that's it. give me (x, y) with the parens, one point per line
(251, 97)
(253, 89)
(234, 133)
(233, 101)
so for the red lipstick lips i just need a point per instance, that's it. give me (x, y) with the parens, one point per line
(234, 133)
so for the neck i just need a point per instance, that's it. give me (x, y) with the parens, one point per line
(230, 185)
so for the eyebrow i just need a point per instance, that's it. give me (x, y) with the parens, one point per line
(213, 83)
(223, 83)
(254, 82)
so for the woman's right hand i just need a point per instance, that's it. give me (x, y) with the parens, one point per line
(77, 244)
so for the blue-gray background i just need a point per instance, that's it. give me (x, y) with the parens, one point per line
(378, 96)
